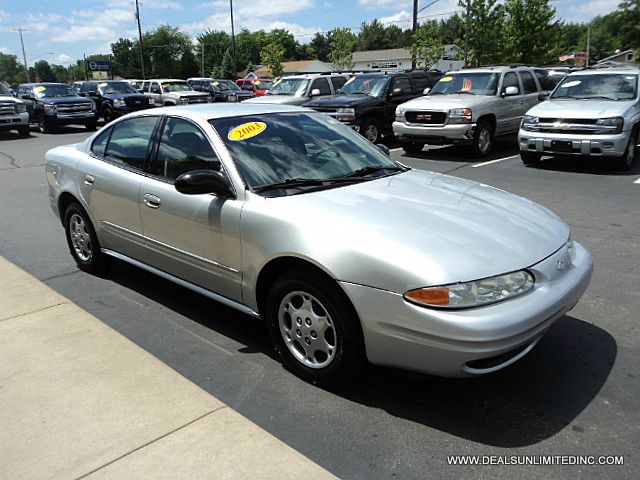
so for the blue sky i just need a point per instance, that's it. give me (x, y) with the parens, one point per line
(60, 31)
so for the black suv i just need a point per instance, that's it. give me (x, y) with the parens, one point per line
(220, 90)
(367, 102)
(115, 98)
(51, 105)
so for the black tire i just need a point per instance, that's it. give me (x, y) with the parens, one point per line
(108, 115)
(90, 126)
(86, 249)
(412, 147)
(371, 130)
(482, 139)
(626, 161)
(43, 125)
(24, 131)
(530, 158)
(342, 336)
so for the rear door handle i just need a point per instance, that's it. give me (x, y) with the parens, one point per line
(89, 180)
(151, 200)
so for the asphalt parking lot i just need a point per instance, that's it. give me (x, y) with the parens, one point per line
(574, 394)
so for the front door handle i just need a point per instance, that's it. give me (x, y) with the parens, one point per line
(89, 180)
(151, 201)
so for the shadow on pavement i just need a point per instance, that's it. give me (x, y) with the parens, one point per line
(461, 153)
(587, 165)
(521, 405)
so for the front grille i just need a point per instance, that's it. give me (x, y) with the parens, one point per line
(74, 107)
(197, 99)
(137, 103)
(8, 108)
(325, 109)
(576, 121)
(426, 118)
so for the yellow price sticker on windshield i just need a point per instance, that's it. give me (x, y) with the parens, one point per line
(215, 83)
(247, 130)
(257, 82)
(40, 89)
(104, 84)
(446, 79)
(572, 83)
(277, 82)
(165, 85)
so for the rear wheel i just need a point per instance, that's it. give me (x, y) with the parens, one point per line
(24, 131)
(315, 328)
(626, 161)
(412, 147)
(107, 114)
(482, 139)
(371, 130)
(82, 240)
(43, 125)
(90, 126)
(530, 158)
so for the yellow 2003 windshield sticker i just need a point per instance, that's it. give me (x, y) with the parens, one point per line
(40, 89)
(247, 130)
(215, 83)
(104, 84)
(446, 79)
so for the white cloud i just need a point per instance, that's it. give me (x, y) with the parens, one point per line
(150, 4)
(63, 59)
(402, 19)
(6, 50)
(585, 11)
(379, 3)
(4, 16)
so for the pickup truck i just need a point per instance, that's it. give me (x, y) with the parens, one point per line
(115, 98)
(592, 113)
(13, 113)
(168, 92)
(468, 107)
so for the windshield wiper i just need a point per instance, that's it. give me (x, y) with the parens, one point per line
(604, 97)
(358, 93)
(303, 182)
(373, 169)
(466, 92)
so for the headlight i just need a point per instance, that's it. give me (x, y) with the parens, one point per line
(21, 108)
(400, 113)
(50, 109)
(119, 103)
(615, 124)
(460, 115)
(347, 110)
(151, 101)
(529, 122)
(184, 100)
(473, 294)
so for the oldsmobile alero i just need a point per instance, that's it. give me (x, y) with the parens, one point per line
(348, 255)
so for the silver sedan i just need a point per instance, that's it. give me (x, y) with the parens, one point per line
(348, 256)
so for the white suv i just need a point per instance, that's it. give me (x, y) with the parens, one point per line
(299, 89)
(13, 113)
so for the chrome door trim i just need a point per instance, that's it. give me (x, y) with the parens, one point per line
(183, 283)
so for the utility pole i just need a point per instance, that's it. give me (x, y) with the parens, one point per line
(466, 35)
(202, 62)
(414, 27)
(233, 42)
(140, 40)
(24, 53)
(588, 42)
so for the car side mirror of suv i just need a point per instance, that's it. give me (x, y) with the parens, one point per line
(542, 96)
(198, 182)
(426, 91)
(315, 92)
(510, 91)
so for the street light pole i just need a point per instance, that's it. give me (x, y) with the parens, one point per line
(233, 41)
(24, 53)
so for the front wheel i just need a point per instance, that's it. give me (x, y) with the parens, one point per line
(24, 131)
(43, 125)
(412, 147)
(530, 158)
(82, 240)
(315, 329)
(482, 139)
(90, 126)
(371, 130)
(108, 115)
(625, 162)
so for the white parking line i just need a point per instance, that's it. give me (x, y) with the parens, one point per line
(493, 161)
(395, 149)
(637, 181)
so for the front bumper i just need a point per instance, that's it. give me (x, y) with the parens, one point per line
(18, 120)
(435, 134)
(573, 144)
(71, 118)
(466, 342)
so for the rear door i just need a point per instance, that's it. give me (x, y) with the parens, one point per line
(530, 90)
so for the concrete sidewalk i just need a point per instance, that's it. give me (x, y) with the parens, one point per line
(79, 400)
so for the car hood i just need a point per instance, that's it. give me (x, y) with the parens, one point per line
(279, 99)
(580, 108)
(408, 230)
(344, 101)
(446, 102)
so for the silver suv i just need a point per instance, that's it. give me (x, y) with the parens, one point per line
(13, 113)
(468, 107)
(594, 113)
(168, 92)
(299, 89)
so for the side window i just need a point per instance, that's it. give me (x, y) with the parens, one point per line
(84, 88)
(420, 82)
(403, 83)
(130, 140)
(183, 147)
(196, 86)
(321, 84)
(155, 87)
(145, 87)
(510, 80)
(247, 86)
(100, 143)
(528, 83)
(338, 82)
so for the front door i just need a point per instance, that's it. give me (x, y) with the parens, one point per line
(511, 106)
(193, 237)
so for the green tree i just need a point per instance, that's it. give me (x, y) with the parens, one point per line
(125, 60)
(342, 43)
(11, 70)
(43, 71)
(372, 36)
(60, 73)
(272, 56)
(320, 45)
(395, 37)
(285, 39)
(453, 30)
(189, 67)
(165, 47)
(486, 20)
(426, 48)
(529, 31)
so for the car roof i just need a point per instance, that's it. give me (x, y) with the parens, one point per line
(164, 80)
(604, 71)
(208, 111)
(41, 84)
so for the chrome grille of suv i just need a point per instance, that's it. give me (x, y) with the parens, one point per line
(74, 107)
(7, 108)
(426, 118)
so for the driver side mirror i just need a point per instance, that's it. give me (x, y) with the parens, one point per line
(198, 182)
(426, 91)
(315, 92)
(542, 96)
(510, 91)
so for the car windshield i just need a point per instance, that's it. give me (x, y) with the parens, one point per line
(374, 85)
(479, 83)
(176, 87)
(222, 85)
(276, 148)
(289, 86)
(53, 91)
(116, 87)
(263, 84)
(607, 86)
(3, 90)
